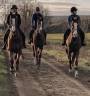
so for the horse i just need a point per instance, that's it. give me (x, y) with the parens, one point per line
(14, 47)
(73, 45)
(38, 43)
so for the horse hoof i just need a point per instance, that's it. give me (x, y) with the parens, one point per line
(10, 69)
(15, 74)
(35, 62)
(70, 70)
(76, 74)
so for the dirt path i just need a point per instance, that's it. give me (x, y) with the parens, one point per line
(49, 81)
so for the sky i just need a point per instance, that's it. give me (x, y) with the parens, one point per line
(62, 7)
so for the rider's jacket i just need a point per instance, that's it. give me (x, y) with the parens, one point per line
(35, 18)
(14, 19)
(75, 18)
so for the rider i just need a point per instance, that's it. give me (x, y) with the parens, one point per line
(76, 18)
(37, 16)
(13, 14)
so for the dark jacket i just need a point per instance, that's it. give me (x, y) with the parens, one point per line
(75, 18)
(35, 18)
(17, 19)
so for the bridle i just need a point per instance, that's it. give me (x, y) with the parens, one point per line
(74, 29)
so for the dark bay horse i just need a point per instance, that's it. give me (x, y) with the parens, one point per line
(38, 43)
(73, 45)
(14, 47)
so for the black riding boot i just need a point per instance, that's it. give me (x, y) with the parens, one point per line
(31, 36)
(66, 34)
(82, 36)
(45, 36)
(5, 39)
(23, 38)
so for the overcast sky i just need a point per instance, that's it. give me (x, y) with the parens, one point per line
(62, 7)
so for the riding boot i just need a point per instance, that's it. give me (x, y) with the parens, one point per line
(31, 36)
(23, 38)
(24, 44)
(45, 35)
(5, 39)
(82, 36)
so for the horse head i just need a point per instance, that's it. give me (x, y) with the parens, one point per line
(39, 27)
(74, 29)
(13, 26)
(73, 33)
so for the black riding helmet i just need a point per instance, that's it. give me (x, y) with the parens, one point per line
(73, 9)
(14, 7)
(37, 9)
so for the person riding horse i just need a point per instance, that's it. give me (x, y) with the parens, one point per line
(13, 15)
(38, 43)
(76, 18)
(37, 16)
(73, 46)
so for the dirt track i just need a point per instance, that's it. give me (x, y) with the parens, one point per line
(49, 81)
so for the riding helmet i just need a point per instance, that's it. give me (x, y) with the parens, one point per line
(37, 9)
(73, 9)
(14, 7)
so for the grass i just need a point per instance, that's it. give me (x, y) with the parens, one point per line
(5, 81)
(4, 84)
(58, 51)
(54, 38)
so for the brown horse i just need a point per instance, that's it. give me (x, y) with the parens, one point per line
(14, 47)
(73, 45)
(38, 43)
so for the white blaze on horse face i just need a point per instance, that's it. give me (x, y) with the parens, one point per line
(13, 24)
(39, 27)
(75, 33)
(13, 28)
(13, 21)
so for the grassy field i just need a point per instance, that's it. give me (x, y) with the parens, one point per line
(3, 77)
(55, 49)
(4, 85)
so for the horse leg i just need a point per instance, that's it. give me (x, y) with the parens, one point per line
(17, 62)
(21, 55)
(11, 61)
(35, 54)
(33, 51)
(40, 54)
(15, 57)
(76, 65)
(70, 62)
(39, 57)
(73, 59)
